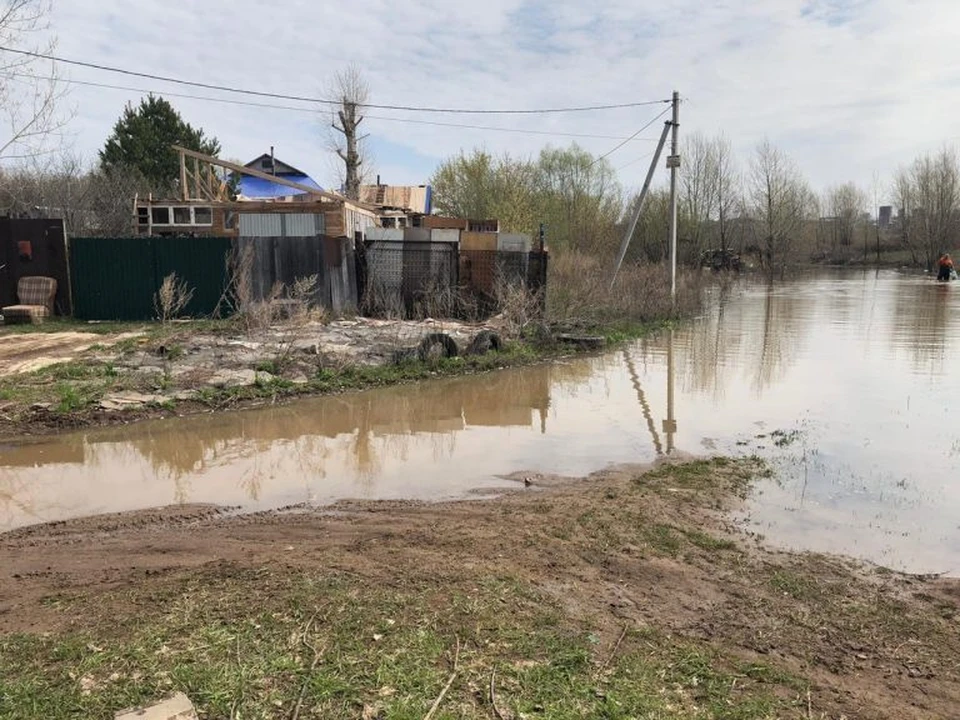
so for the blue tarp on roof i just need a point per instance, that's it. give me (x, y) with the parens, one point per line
(254, 187)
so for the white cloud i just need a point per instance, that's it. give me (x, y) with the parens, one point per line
(847, 87)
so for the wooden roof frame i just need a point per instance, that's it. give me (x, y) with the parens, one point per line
(217, 191)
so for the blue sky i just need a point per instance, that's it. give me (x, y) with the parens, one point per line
(848, 88)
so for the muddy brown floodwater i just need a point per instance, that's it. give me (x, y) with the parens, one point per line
(842, 380)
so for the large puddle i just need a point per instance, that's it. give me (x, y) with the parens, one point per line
(851, 371)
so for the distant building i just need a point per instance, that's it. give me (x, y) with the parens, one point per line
(886, 216)
(255, 188)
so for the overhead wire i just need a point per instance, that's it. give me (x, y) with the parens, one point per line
(632, 137)
(326, 101)
(634, 162)
(294, 108)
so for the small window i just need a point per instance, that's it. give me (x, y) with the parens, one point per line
(160, 215)
(143, 216)
(202, 216)
(181, 216)
(266, 164)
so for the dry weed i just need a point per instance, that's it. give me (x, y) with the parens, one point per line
(579, 292)
(172, 297)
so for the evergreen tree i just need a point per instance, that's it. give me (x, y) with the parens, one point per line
(142, 140)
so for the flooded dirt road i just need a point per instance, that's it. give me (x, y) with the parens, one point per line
(843, 380)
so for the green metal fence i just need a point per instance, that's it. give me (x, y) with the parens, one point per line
(116, 278)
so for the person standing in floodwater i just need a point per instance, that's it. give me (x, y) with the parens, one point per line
(945, 267)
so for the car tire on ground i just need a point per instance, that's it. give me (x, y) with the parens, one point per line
(483, 342)
(437, 345)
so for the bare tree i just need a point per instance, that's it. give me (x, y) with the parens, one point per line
(710, 189)
(698, 190)
(781, 202)
(845, 205)
(29, 82)
(350, 89)
(928, 197)
(90, 202)
(42, 186)
(905, 201)
(729, 188)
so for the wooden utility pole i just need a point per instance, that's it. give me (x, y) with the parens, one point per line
(673, 162)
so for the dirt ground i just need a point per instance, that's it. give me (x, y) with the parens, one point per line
(60, 380)
(642, 555)
(28, 352)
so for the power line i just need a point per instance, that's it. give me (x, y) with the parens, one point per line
(294, 108)
(325, 101)
(512, 130)
(634, 162)
(626, 140)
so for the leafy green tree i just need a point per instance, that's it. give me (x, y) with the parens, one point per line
(577, 197)
(142, 140)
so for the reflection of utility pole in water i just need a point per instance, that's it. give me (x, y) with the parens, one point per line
(670, 424)
(644, 405)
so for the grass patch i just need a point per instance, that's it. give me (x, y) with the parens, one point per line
(664, 539)
(794, 585)
(249, 645)
(716, 476)
(708, 542)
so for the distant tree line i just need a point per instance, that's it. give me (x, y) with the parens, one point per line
(760, 207)
(763, 208)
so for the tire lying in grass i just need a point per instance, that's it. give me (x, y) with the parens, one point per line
(484, 342)
(436, 346)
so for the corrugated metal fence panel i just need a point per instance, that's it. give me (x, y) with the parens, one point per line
(260, 225)
(112, 278)
(302, 225)
(200, 262)
(284, 224)
(116, 278)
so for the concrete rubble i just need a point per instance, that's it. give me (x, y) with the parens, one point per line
(177, 707)
(183, 366)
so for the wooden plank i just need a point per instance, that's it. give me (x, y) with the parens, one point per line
(196, 177)
(184, 190)
(257, 174)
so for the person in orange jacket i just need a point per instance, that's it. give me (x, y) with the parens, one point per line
(946, 267)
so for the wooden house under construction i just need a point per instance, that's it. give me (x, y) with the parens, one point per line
(209, 204)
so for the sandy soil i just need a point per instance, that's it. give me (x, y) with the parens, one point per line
(621, 547)
(27, 352)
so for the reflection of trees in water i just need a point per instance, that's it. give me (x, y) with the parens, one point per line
(370, 429)
(738, 332)
(18, 482)
(713, 343)
(921, 317)
(16, 500)
(780, 333)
